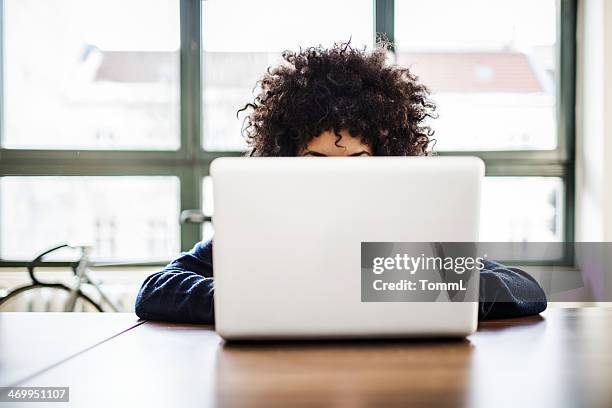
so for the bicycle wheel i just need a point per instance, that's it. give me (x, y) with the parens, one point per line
(44, 302)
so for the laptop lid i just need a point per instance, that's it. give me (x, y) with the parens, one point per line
(288, 234)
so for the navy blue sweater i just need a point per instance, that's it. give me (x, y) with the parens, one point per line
(183, 291)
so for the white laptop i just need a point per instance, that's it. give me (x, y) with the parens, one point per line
(288, 234)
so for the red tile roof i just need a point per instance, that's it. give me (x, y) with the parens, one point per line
(473, 71)
(138, 66)
(441, 72)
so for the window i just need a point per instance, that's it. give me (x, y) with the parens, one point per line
(497, 83)
(516, 209)
(72, 82)
(107, 135)
(232, 62)
(494, 78)
(127, 218)
(90, 128)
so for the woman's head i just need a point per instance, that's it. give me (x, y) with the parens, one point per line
(347, 96)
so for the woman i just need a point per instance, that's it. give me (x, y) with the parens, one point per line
(339, 101)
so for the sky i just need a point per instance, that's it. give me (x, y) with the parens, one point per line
(275, 25)
(444, 25)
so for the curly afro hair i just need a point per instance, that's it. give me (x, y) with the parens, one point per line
(329, 89)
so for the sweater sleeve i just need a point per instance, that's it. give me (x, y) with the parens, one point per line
(183, 291)
(508, 292)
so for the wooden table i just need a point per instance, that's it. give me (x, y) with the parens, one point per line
(33, 342)
(562, 359)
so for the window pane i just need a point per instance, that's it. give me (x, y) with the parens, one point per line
(97, 74)
(241, 38)
(514, 209)
(490, 65)
(517, 209)
(124, 218)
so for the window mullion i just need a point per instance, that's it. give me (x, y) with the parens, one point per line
(190, 77)
(567, 104)
(384, 19)
(191, 193)
(191, 196)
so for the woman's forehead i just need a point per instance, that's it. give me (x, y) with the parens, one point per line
(331, 144)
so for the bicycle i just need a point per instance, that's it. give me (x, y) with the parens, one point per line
(82, 276)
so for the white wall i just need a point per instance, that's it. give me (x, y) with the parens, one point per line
(594, 122)
(594, 142)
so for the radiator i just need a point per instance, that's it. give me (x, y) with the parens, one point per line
(120, 287)
(54, 300)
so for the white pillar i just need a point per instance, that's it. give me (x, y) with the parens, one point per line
(594, 133)
(594, 122)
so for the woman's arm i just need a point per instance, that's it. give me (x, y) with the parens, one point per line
(508, 292)
(183, 291)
